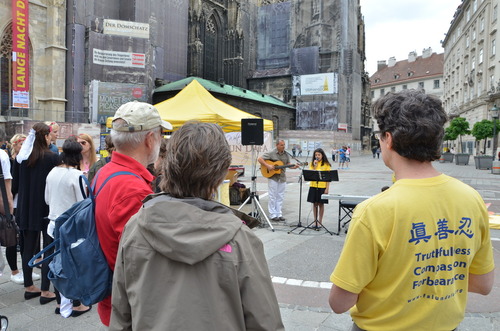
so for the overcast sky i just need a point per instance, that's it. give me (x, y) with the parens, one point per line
(396, 27)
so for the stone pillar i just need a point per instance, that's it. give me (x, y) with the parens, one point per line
(54, 101)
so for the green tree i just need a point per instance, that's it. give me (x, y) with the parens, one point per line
(449, 135)
(483, 130)
(458, 127)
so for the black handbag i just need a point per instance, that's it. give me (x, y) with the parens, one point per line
(8, 226)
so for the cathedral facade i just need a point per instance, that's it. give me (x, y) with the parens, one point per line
(307, 53)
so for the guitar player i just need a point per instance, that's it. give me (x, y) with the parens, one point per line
(276, 182)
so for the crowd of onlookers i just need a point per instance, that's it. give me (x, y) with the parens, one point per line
(42, 181)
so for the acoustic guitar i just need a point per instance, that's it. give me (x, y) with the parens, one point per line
(278, 165)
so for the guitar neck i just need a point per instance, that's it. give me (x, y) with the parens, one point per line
(283, 166)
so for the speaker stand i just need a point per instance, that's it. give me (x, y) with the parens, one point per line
(253, 198)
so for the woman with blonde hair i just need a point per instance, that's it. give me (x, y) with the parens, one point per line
(16, 275)
(88, 152)
(16, 142)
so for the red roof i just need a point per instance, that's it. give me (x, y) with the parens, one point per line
(399, 73)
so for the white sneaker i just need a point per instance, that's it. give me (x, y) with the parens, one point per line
(35, 276)
(17, 278)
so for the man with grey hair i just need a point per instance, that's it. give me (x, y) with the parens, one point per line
(136, 134)
(277, 182)
(186, 262)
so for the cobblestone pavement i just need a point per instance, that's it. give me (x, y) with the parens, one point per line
(299, 263)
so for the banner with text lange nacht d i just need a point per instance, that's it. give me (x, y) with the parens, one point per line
(20, 54)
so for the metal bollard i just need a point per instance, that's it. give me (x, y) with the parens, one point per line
(495, 168)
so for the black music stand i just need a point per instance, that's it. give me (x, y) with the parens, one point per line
(299, 224)
(319, 176)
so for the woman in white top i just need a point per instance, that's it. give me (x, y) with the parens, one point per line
(62, 190)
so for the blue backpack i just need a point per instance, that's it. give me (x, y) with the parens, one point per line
(79, 269)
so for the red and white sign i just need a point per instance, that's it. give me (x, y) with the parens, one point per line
(137, 92)
(342, 127)
(20, 54)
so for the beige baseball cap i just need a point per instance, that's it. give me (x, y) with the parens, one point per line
(140, 116)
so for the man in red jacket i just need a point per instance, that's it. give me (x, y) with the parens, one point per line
(136, 134)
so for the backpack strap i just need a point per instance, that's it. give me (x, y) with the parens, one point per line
(119, 173)
(91, 187)
(32, 263)
(83, 179)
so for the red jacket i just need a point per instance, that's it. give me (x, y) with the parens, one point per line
(120, 198)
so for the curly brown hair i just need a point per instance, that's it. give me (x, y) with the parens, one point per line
(196, 161)
(415, 121)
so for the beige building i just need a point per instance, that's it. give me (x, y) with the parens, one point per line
(423, 72)
(471, 69)
(46, 45)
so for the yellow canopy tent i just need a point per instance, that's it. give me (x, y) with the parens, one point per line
(194, 102)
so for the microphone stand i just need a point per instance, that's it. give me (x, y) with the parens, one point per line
(299, 224)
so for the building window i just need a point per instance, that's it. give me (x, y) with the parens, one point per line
(436, 83)
(420, 85)
(210, 66)
(495, 13)
(481, 25)
(493, 47)
(467, 41)
(315, 9)
(467, 19)
(480, 56)
(473, 63)
(287, 94)
(393, 89)
(410, 73)
(474, 33)
(405, 87)
(382, 92)
(373, 94)
(396, 76)
(474, 6)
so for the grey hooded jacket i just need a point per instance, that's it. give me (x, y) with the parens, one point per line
(191, 264)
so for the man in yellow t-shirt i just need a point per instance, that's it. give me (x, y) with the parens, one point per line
(416, 249)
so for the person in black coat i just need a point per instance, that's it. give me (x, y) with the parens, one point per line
(29, 174)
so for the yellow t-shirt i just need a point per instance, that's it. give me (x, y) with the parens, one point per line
(409, 252)
(324, 167)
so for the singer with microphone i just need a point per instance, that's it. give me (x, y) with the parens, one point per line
(316, 189)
